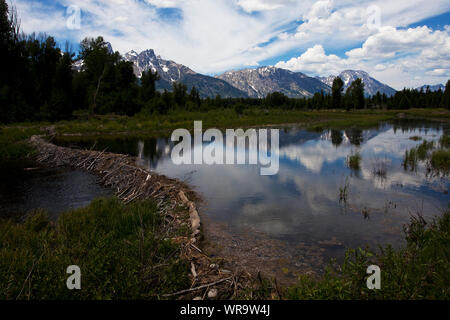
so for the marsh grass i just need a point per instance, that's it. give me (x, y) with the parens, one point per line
(419, 153)
(436, 155)
(146, 123)
(440, 160)
(379, 168)
(423, 149)
(410, 159)
(343, 191)
(353, 161)
(124, 252)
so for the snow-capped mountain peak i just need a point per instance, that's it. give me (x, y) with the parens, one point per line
(170, 72)
(259, 82)
(371, 85)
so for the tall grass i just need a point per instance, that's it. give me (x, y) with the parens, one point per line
(124, 252)
(419, 153)
(437, 156)
(15, 152)
(440, 160)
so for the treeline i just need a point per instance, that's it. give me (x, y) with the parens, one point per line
(39, 81)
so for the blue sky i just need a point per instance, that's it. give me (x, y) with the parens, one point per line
(404, 43)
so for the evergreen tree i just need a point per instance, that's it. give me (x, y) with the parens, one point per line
(194, 96)
(276, 99)
(446, 96)
(180, 94)
(336, 92)
(98, 62)
(355, 95)
(111, 85)
(148, 84)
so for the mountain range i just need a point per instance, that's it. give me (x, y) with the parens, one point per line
(170, 71)
(433, 88)
(254, 83)
(257, 83)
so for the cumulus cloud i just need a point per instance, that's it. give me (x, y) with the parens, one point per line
(392, 55)
(315, 60)
(320, 9)
(390, 41)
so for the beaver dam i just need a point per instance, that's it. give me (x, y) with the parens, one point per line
(131, 182)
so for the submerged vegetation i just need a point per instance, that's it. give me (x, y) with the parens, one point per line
(124, 252)
(343, 191)
(420, 270)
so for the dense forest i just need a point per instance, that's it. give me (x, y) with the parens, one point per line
(39, 82)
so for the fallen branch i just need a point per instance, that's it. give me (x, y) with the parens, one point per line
(197, 288)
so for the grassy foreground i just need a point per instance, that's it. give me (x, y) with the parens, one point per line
(124, 252)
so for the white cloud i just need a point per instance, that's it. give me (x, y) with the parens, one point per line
(395, 56)
(163, 3)
(320, 9)
(260, 5)
(390, 41)
(315, 60)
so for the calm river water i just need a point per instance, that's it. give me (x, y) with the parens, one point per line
(302, 203)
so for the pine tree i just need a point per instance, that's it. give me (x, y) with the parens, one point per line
(446, 96)
(180, 94)
(355, 94)
(194, 96)
(336, 92)
(148, 84)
